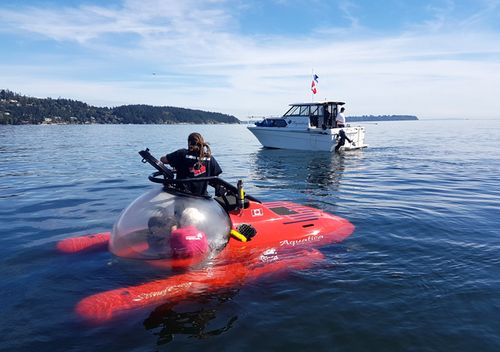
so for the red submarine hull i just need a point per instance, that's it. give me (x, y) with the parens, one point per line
(286, 235)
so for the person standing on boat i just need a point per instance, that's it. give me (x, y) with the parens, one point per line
(340, 118)
(196, 161)
(326, 117)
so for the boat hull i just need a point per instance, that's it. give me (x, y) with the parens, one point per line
(315, 139)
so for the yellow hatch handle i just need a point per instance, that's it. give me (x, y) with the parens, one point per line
(238, 236)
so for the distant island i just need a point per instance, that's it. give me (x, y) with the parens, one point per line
(381, 118)
(16, 109)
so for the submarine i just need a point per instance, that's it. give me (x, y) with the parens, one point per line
(204, 243)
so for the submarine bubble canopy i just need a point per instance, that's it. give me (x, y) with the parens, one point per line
(146, 229)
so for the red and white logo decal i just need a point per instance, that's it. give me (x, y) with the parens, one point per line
(257, 212)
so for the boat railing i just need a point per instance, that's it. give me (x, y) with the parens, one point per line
(252, 118)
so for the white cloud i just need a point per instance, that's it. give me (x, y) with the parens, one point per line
(202, 62)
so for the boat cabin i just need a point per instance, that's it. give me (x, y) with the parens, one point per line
(306, 115)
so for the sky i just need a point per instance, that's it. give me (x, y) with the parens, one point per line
(433, 59)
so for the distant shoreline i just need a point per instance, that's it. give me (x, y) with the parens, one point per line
(16, 109)
(382, 118)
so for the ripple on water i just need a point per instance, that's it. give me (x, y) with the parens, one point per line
(420, 272)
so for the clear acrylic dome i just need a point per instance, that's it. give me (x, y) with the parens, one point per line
(148, 228)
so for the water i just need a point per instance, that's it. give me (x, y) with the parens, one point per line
(420, 273)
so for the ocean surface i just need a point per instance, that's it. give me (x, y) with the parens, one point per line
(421, 272)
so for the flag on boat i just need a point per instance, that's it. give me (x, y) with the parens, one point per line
(314, 83)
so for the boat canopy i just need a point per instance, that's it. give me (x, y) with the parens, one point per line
(302, 116)
(319, 103)
(314, 110)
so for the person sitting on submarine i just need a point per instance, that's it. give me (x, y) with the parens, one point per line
(196, 161)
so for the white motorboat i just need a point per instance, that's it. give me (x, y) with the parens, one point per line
(309, 126)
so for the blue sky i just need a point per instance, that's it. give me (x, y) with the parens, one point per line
(434, 59)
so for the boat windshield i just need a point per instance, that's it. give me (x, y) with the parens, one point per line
(272, 123)
(297, 110)
(304, 110)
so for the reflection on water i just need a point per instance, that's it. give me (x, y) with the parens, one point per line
(325, 170)
(194, 319)
(318, 179)
(276, 168)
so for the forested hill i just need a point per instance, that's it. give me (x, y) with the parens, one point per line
(16, 109)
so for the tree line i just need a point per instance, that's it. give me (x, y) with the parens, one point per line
(17, 109)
